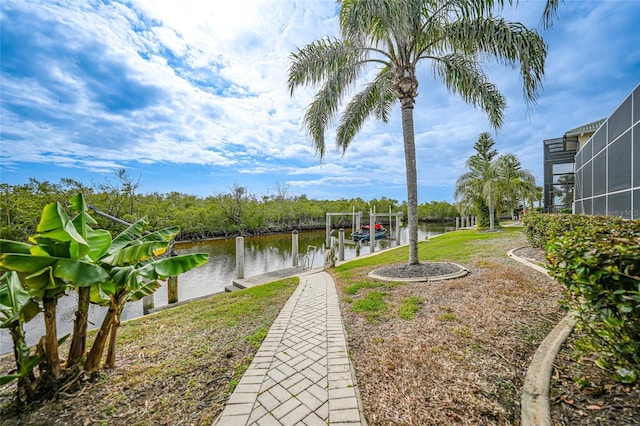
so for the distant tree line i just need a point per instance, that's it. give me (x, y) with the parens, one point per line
(227, 214)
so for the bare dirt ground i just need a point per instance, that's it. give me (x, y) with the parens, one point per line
(582, 394)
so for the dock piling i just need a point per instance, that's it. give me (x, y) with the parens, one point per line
(294, 247)
(240, 258)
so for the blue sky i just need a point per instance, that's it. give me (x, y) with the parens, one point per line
(191, 96)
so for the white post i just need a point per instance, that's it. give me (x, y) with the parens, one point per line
(328, 231)
(239, 258)
(341, 244)
(398, 242)
(147, 304)
(294, 247)
(353, 219)
(372, 232)
(457, 223)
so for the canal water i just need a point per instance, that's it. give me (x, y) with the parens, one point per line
(262, 254)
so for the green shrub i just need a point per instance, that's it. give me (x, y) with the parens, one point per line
(597, 259)
(542, 229)
(533, 224)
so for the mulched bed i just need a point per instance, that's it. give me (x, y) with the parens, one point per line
(582, 394)
(427, 269)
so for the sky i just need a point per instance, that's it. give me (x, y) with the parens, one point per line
(191, 96)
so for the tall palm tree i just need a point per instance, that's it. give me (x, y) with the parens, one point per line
(397, 36)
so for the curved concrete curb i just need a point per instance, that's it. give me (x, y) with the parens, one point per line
(535, 405)
(461, 273)
(511, 254)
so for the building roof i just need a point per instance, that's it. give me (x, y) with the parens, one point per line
(587, 128)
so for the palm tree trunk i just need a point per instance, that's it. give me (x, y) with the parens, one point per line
(412, 177)
(491, 218)
(79, 338)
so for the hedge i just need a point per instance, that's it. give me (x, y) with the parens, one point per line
(597, 259)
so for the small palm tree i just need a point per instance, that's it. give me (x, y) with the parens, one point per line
(398, 36)
(492, 181)
(519, 182)
(469, 187)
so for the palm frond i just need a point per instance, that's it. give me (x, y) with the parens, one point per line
(369, 18)
(319, 60)
(550, 12)
(510, 43)
(463, 75)
(375, 99)
(323, 109)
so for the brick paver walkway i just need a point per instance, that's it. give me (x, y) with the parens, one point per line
(301, 375)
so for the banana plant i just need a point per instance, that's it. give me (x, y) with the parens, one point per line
(16, 309)
(135, 264)
(55, 260)
(68, 254)
(99, 242)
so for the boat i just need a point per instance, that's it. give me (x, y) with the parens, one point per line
(364, 234)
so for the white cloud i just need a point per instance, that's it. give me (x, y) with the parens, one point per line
(207, 84)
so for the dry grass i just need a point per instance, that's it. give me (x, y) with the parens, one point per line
(463, 358)
(176, 367)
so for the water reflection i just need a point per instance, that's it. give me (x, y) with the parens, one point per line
(262, 254)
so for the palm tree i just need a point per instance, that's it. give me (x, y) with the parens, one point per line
(539, 195)
(397, 36)
(469, 187)
(491, 181)
(519, 183)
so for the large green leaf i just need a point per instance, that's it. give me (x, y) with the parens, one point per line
(15, 301)
(8, 246)
(144, 289)
(122, 275)
(165, 234)
(126, 237)
(76, 272)
(172, 266)
(77, 203)
(43, 280)
(79, 222)
(29, 362)
(136, 253)
(99, 243)
(56, 225)
(100, 293)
